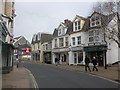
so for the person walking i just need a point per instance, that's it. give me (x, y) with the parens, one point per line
(87, 61)
(56, 60)
(94, 61)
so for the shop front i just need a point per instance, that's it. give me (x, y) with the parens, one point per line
(99, 52)
(77, 55)
(61, 55)
(47, 57)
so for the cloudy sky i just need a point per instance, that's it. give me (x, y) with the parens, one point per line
(34, 17)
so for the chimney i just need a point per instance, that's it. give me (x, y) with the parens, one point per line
(66, 21)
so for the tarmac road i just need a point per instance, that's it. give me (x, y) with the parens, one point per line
(54, 77)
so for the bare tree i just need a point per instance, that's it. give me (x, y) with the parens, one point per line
(110, 10)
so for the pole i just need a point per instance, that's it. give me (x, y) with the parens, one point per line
(105, 60)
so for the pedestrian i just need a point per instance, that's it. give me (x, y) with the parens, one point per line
(87, 61)
(17, 63)
(94, 61)
(56, 61)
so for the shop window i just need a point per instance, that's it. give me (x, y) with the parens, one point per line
(80, 57)
(64, 58)
(75, 57)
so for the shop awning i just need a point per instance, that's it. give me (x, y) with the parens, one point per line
(95, 48)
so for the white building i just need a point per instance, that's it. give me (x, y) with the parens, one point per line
(77, 40)
(97, 43)
(60, 44)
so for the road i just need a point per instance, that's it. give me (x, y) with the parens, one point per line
(55, 77)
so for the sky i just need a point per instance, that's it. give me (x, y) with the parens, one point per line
(34, 17)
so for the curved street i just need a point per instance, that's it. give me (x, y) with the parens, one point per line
(54, 77)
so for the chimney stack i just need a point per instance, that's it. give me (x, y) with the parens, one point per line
(66, 21)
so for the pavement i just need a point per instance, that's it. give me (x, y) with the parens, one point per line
(23, 78)
(18, 78)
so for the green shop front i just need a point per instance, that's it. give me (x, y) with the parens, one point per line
(98, 51)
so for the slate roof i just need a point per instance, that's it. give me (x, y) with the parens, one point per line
(105, 19)
(44, 38)
(24, 46)
(69, 26)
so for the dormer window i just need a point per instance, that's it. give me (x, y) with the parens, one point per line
(34, 38)
(76, 25)
(39, 35)
(95, 21)
(59, 32)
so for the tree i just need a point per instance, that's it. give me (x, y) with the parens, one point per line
(108, 10)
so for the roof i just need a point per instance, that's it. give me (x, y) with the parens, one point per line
(67, 23)
(44, 37)
(55, 33)
(17, 37)
(80, 17)
(105, 19)
(24, 46)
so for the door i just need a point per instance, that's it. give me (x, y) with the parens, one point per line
(75, 58)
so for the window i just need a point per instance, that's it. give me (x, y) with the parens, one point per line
(94, 36)
(79, 40)
(91, 39)
(95, 21)
(46, 47)
(59, 31)
(55, 42)
(66, 41)
(38, 36)
(77, 25)
(34, 38)
(80, 57)
(91, 33)
(61, 42)
(73, 40)
(38, 45)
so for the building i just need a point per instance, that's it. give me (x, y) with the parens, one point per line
(77, 40)
(7, 14)
(47, 52)
(22, 49)
(60, 43)
(37, 45)
(97, 43)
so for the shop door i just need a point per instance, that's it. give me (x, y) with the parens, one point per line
(100, 58)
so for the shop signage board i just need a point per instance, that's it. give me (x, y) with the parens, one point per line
(95, 48)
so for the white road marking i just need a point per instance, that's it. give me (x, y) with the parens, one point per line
(33, 79)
